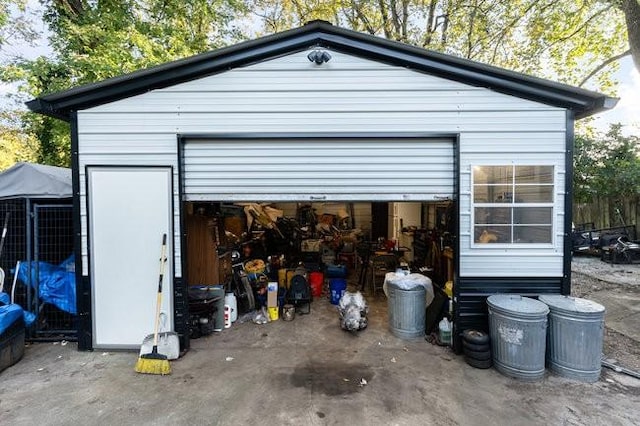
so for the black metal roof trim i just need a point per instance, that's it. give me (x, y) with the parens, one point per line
(320, 33)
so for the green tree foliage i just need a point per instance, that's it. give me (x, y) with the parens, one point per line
(607, 165)
(560, 39)
(15, 25)
(95, 40)
(15, 145)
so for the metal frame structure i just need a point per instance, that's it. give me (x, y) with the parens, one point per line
(40, 239)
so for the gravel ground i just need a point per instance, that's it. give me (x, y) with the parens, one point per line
(594, 279)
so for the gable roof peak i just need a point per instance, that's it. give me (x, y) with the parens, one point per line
(318, 32)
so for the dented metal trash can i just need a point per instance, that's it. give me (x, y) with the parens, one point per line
(518, 327)
(575, 337)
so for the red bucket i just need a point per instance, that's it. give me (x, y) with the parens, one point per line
(316, 280)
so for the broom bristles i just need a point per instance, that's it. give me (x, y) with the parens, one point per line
(153, 363)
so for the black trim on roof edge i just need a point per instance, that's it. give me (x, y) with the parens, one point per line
(320, 33)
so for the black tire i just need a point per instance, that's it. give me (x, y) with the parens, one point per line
(478, 356)
(473, 347)
(479, 364)
(475, 337)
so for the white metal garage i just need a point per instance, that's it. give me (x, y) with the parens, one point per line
(380, 121)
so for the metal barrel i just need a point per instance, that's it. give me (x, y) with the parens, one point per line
(575, 337)
(518, 328)
(407, 310)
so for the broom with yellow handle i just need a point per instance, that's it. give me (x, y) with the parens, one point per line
(153, 362)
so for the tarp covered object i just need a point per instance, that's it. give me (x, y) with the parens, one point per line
(9, 314)
(7, 320)
(57, 283)
(27, 180)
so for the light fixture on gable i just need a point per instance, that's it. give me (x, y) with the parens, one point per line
(319, 56)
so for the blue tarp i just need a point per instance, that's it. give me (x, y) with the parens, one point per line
(29, 318)
(8, 315)
(57, 284)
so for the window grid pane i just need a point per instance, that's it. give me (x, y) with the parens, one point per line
(513, 204)
(533, 174)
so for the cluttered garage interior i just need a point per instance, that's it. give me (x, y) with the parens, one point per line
(313, 253)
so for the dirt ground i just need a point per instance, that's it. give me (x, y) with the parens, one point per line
(309, 371)
(617, 287)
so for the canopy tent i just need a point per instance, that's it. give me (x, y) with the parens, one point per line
(27, 180)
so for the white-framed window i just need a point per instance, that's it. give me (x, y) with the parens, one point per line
(513, 204)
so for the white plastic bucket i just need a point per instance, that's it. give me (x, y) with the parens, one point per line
(230, 299)
(227, 316)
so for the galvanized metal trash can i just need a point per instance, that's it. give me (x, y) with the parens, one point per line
(407, 310)
(575, 337)
(518, 328)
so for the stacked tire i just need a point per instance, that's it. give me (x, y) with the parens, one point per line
(476, 348)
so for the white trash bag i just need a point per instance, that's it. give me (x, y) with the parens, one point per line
(409, 282)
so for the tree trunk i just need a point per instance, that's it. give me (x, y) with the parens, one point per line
(430, 26)
(385, 20)
(631, 9)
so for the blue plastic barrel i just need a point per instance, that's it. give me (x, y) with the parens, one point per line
(336, 271)
(337, 287)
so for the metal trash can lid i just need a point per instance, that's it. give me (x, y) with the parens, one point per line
(572, 305)
(515, 304)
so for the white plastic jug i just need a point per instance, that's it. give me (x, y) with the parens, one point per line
(227, 316)
(445, 331)
(230, 299)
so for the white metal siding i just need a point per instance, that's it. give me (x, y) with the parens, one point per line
(128, 150)
(316, 169)
(348, 94)
(309, 121)
(534, 148)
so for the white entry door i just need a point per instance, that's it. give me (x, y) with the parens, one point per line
(129, 210)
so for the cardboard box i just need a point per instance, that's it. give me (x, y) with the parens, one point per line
(272, 294)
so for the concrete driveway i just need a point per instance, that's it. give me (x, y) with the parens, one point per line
(307, 371)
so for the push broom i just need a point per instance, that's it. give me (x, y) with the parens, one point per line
(154, 362)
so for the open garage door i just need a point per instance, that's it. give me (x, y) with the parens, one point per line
(318, 169)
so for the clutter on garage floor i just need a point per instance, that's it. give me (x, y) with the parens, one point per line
(353, 311)
(271, 256)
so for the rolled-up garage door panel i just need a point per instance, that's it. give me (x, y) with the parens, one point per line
(307, 169)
